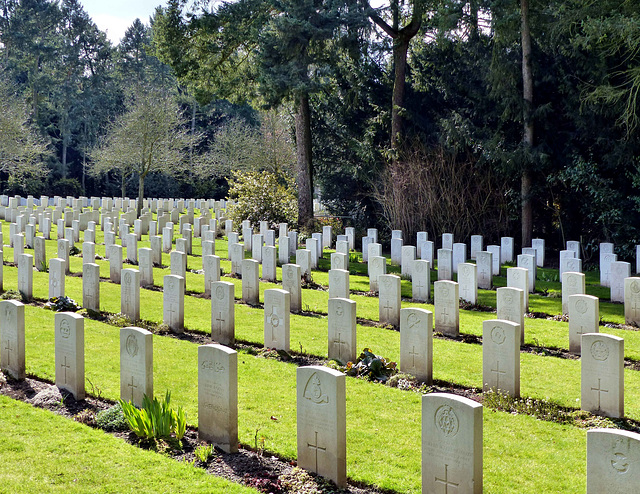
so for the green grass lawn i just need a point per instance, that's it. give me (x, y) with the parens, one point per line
(44, 452)
(521, 454)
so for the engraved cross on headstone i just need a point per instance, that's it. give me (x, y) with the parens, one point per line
(65, 366)
(498, 372)
(132, 387)
(219, 320)
(445, 481)
(445, 315)
(600, 390)
(387, 307)
(171, 312)
(9, 350)
(315, 447)
(339, 342)
(413, 354)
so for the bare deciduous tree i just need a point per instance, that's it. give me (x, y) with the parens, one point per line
(152, 136)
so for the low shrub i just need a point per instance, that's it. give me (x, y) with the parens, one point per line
(111, 419)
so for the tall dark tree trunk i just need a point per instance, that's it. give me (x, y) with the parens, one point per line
(123, 185)
(528, 136)
(304, 161)
(140, 194)
(401, 39)
(400, 50)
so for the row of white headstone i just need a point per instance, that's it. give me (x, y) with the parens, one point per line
(451, 425)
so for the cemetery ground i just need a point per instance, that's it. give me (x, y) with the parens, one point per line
(535, 445)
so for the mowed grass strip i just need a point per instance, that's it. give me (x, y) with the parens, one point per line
(44, 452)
(383, 424)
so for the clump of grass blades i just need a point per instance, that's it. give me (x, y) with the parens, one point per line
(155, 420)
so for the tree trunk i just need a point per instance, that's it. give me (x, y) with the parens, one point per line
(528, 136)
(123, 186)
(400, 50)
(304, 165)
(140, 194)
(64, 157)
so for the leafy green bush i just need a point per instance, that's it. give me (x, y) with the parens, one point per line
(111, 419)
(371, 366)
(155, 420)
(262, 196)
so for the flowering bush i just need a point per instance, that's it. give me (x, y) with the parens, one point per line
(262, 196)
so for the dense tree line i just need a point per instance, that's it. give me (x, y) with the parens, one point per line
(463, 115)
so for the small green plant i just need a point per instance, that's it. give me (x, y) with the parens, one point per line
(155, 420)
(44, 266)
(203, 452)
(111, 419)
(74, 251)
(371, 366)
(62, 304)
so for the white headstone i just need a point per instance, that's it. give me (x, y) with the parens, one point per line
(539, 245)
(501, 356)
(602, 375)
(519, 278)
(584, 317)
(12, 338)
(218, 396)
(321, 422)
(528, 262)
(338, 283)
(173, 302)
(136, 364)
(130, 294)
(69, 343)
(468, 282)
(291, 282)
(416, 343)
(445, 264)
(277, 310)
(91, 286)
(421, 281)
(389, 299)
(223, 312)
(632, 301)
(250, 284)
(477, 243)
(56, 277)
(506, 249)
(342, 330)
(613, 459)
(572, 284)
(484, 261)
(446, 308)
(510, 307)
(619, 271)
(451, 444)
(25, 276)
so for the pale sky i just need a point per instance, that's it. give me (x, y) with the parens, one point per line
(115, 16)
